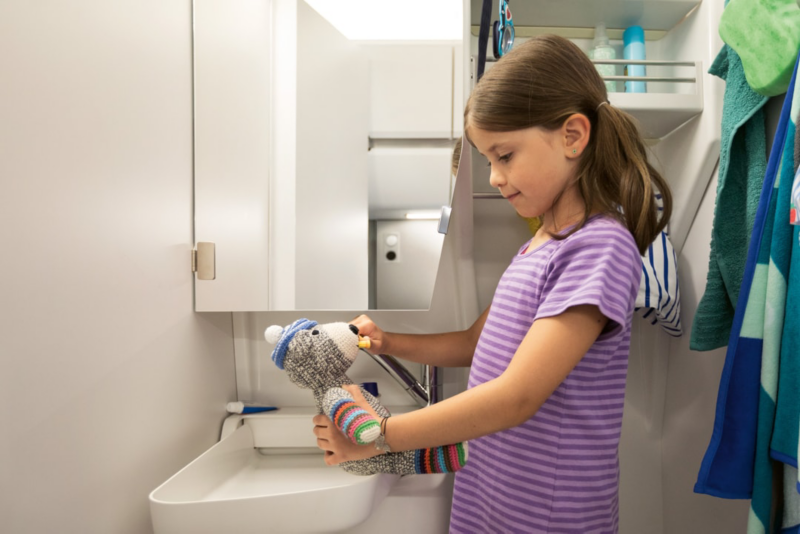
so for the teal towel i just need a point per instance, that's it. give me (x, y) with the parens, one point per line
(742, 165)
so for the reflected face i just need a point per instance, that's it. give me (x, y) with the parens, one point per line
(529, 166)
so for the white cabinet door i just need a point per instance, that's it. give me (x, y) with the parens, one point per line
(232, 138)
(411, 91)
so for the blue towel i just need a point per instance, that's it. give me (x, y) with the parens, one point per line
(771, 279)
(727, 469)
(787, 411)
(785, 439)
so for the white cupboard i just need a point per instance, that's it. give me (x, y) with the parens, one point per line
(412, 90)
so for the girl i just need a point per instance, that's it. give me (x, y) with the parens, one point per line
(549, 357)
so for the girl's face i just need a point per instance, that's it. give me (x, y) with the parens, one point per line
(530, 167)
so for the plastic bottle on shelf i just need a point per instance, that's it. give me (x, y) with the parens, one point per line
(602, 49)
(633, 42)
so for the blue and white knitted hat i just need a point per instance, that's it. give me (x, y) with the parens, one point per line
(283, 336)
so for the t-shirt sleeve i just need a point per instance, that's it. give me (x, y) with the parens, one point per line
(599, 266)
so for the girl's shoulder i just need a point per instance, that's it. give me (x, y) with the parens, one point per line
(601, 240)
(597, 265)
(602, 237)
(602, 228)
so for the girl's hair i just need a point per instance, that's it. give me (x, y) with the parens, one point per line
(456, 157)
(543, 82)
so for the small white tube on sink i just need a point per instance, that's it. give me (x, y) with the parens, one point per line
(247, 407)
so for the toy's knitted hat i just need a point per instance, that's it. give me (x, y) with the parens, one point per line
(283, 336)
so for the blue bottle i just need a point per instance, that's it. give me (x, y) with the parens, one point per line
(633, 43)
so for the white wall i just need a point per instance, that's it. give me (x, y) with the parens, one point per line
(109, 382)
(692, 386)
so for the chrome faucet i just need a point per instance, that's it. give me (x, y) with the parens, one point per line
(426, 393)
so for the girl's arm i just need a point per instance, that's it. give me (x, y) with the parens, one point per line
(550, 350)
(452, 349)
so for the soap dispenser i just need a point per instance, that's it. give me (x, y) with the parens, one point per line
(602, 49)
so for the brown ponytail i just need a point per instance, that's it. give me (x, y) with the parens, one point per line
(548, 79)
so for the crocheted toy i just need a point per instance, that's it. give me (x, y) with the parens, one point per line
(317, 358)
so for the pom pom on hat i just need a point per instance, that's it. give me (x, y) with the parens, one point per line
(273, 334)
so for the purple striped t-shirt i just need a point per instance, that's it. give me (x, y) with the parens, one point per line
(558, 471)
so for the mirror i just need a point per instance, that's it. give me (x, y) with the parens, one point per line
(321, 162)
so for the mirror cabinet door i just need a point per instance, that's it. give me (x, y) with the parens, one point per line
(231, 140)
(312, 152)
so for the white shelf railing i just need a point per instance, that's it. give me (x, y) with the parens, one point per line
(666, 106)
(652, 15)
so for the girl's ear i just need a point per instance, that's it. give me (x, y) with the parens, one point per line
(576, 131)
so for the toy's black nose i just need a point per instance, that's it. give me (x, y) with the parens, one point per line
(353, 328)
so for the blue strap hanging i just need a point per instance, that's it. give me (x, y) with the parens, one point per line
(483, 35)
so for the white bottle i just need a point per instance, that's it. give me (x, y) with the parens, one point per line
(602, 49)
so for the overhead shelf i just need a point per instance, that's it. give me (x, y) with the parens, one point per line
(660, 113)
(652, 15)
(663, 109)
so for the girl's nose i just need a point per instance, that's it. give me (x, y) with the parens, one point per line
(496, 179)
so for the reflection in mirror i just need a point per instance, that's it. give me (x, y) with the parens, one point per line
(408, 184)
(361, 136)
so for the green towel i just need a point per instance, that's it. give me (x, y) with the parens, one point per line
(766, 35)
(743, 162)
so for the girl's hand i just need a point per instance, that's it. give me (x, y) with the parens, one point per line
(367, 328)
(337, 447)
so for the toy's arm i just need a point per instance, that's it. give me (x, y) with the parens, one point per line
(362, 428)
(355, 422)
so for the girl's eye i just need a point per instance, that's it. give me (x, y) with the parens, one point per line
(504, 159)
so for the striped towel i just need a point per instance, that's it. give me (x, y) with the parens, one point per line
(771, 281)
(736, 464)
(659, 298)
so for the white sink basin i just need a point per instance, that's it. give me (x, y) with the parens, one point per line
(235, 488)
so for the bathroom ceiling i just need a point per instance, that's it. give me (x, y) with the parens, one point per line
(392, 20)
